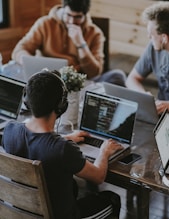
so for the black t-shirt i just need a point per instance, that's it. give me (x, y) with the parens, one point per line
(61, 159)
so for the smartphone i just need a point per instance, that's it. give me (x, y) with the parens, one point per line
(129, 159)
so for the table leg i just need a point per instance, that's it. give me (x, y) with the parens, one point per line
(143, 198)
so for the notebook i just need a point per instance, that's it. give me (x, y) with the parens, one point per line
(146, 103)
(161, 133)
(33, 64)
(11, 92)
(104, 117)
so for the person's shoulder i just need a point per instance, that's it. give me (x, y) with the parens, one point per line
(13, 125)
(50, 17)
(89, 23)
(91, 28)
(55, 12)
(150, 46)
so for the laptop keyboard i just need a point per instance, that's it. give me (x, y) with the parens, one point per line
(93, 141)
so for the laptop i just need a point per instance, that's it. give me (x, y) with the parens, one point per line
(161, 133)
(104, 117)
(146, 103)
(33, 64)
(11, 92)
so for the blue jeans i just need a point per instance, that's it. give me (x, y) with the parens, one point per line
(115, 76)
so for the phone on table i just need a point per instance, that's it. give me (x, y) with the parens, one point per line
(130, 158)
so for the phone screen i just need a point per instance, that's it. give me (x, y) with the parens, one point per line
(131, 158)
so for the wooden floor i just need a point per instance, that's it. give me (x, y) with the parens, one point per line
(158, 204)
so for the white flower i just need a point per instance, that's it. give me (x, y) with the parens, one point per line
(74, 80)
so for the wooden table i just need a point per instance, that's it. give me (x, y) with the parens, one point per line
(141, 177)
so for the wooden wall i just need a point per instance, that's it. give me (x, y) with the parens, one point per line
(127, 32)
(23, 14)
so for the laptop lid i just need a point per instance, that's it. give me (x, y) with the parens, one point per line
(161, 133)
(106, 117)
(11, 92)
(33, 64)
(146, 103)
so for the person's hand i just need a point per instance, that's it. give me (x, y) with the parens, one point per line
(75, 33)
(161, 105)
(110, 146)
(77, 136)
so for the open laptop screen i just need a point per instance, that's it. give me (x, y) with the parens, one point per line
(10, 97)
(108, 116)
(146, 103)
(161, 132)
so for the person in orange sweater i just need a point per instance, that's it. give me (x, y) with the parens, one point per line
(67, 32)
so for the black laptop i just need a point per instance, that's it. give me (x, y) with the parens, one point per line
(105, 116)
(11, 92)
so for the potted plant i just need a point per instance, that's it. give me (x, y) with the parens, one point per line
(74, 82)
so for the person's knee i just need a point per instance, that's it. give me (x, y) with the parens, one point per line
(115, 201)
(113, 197)
(115, 76)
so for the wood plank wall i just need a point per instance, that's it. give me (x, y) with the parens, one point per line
(127, 32)
(23, 14)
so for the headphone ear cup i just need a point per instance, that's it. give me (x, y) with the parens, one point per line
(62, 106)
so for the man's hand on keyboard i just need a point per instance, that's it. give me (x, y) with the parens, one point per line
(77, 136)
(110, 146)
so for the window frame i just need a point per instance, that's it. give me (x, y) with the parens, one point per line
(5, 17)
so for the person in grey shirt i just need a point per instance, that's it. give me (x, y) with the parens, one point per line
(155, 59)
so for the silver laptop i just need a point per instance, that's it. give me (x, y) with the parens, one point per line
(33, 64)
(105, 116)
(161, 132)
(11, 92)
(146, 104)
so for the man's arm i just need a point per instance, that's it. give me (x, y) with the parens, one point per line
(134, 81)
(97, 172)
(91, 62)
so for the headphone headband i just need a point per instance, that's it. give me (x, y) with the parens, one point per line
(61, 107)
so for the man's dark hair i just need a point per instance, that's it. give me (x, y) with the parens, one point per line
(78, 5)
(44, 92)
(158, 12)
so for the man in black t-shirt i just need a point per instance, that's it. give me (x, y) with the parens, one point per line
(46, 96)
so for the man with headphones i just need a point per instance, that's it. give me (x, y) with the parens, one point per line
(46, 96)
(155, 58)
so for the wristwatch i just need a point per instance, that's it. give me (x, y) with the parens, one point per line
(83, 45)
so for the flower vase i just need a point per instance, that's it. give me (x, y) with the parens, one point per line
(70, 117)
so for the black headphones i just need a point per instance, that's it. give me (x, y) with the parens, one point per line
(61, 107)
(63, 104)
